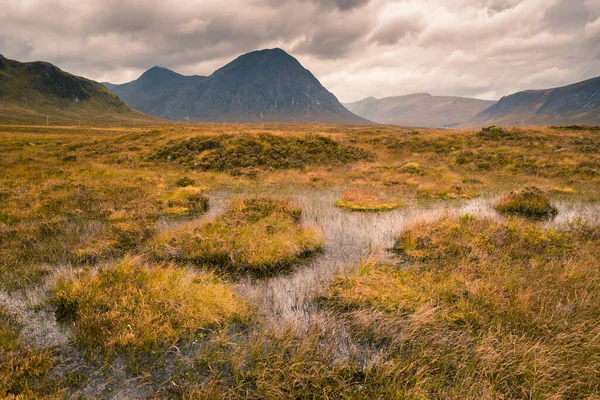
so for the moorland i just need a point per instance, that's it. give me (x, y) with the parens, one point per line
(299, 261)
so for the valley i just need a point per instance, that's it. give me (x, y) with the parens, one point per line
(298, 260)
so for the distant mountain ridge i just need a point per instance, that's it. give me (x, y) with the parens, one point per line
(419, 109)
(574, 104)
(31, 92)
(260, 86)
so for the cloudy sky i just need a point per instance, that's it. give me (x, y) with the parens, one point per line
(356, 48)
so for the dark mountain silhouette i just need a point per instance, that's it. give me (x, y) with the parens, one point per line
(568, 105)
(30, 92)
(261, 86)
(419, 109)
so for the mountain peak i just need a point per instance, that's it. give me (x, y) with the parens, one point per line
(260, 86)
(157, 72)
(1, 56)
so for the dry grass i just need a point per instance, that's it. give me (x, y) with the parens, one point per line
(529, 203)
(358, 200)
(455, 316)
(463, 320)
(135, 307)
(22, 369)
(188, 201)
(261, 235)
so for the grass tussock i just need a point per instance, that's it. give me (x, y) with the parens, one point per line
(257, 234)
(358, 200)
(187, 200)
(135, 307)
(21, 368)
(531, 203)
(245, 153)
(463, 320)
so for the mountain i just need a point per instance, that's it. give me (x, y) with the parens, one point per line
(261, 86)
(568, 105)
(146, 92)
(30, 92)
(419, 109)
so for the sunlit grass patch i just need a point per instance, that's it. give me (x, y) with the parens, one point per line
(187, 200)
(358, 200)
(495, 309)
(412, 168)
(257, 234)
(21, 367)
(563, 190)
(134, 306)
(529, 203)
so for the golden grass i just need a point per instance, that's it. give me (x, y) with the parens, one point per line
(358, 200)
(188, 200)
(529, 203)
(20, 367)
(135, 306)
(483, 309)
(258, 234)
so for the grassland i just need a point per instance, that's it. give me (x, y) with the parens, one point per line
(142, 243)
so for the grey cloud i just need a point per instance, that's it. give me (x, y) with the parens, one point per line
(357, 48)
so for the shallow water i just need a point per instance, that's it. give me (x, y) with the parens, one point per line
(354, 236)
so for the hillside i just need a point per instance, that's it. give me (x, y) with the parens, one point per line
(30, 92)
(569, 105)
(419, 109)
(261, 86)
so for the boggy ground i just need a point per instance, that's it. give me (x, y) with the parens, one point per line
(89, 308)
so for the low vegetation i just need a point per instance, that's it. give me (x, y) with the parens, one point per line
(452, 313)
(186, 200)
(461, 318)
(357, 200)
(531, 202)
(261, 235)
(137, 307)
(245, 153)
(21, 368)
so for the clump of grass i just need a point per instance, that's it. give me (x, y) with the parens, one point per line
(187, 200)
(461, 317)
(243, 153)
(20, 367)
(137, 307)
(257, 234)
(183, 182)
(412, 168)
(531, 203)
(358, 200)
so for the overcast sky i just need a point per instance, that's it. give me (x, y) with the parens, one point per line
(356, 48)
